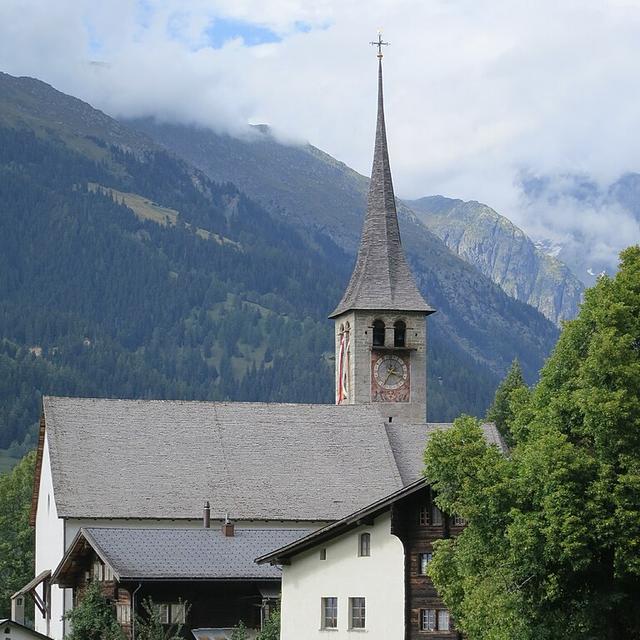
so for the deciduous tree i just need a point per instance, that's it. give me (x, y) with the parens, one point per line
(552, 546)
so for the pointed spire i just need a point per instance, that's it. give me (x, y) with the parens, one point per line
(381, 279)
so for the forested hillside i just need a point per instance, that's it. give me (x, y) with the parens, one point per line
(126, 272)
(477, 331)
(96, 301)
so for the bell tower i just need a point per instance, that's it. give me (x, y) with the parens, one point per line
(380, 323)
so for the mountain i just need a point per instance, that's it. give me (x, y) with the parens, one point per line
(127, 272)
(504, 253)
(309, 189)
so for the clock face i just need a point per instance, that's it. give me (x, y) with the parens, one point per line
(390, 372)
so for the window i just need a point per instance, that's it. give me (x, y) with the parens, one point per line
(436, 516)
(425, 515)
(171, 612)
(434, 620)
(378, 333)
(177, 613)
(427, 619)
(329, 613)
(323, 554)
(364, 544)
(458, 521)
(443, 620)
(107, 573)
(423, 560)
(399, 333)
(97, 570)
(356, 613)
(163, 613)
(123, 613)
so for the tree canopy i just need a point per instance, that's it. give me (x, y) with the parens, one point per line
(501, 411)
(552, 546)
(16, 536)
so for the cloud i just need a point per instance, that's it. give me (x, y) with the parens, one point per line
(477, 91)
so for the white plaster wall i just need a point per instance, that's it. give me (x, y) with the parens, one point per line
(379, 578)
(49, 546)
(16, 633)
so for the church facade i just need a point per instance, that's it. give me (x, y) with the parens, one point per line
(150, 465)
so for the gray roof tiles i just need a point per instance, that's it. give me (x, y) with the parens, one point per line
(256, 461)
(408, 442)
(189, 554)
(381, 279)
(163, 459)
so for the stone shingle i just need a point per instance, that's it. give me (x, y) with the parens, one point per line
(382, 278)
(182, 554)
(163, 459)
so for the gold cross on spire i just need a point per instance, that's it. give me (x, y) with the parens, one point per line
(379, 43)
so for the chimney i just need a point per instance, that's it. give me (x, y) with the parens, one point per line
(206, 516)
(228, 528)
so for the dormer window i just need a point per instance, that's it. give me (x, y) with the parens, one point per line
(378, 333)
(399, 333)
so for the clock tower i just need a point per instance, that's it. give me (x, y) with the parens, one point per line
(380, 323)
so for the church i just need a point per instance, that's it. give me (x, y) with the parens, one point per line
(176, 500)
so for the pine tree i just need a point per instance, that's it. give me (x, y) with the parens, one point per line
(501, 411)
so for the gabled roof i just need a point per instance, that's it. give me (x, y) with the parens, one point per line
(284, 554)
(381, 279)
(177, 554)
(256, 461)
(163, 459)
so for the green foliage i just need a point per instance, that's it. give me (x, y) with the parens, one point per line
(552, 545)
(501, 411)
(16, 536)
(149, 625)
(94, 617)
(239, 632)
(271, 627)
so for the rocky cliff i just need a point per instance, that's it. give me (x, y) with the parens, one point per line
(504, 253)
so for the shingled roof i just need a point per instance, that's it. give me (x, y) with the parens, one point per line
(179, 554)
(257, 461)
(163, 459)
(381, 279)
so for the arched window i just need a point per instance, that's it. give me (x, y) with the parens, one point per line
(364, 544)
(399, 333)
(378, 333)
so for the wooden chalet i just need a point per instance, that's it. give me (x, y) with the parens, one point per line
(205, 579)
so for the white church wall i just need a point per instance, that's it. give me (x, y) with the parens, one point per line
(49, 546)
(379, 578)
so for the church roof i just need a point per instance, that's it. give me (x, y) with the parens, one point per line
(381, 279)
(256, 461)
(163, 459)
(406, 439)
(179, 554)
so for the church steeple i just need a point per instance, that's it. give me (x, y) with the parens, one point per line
(381, 278)
(380, 323)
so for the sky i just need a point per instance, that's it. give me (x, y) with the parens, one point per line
(478, 93)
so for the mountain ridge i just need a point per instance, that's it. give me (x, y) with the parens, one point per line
(203, 320)
(503, 252)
